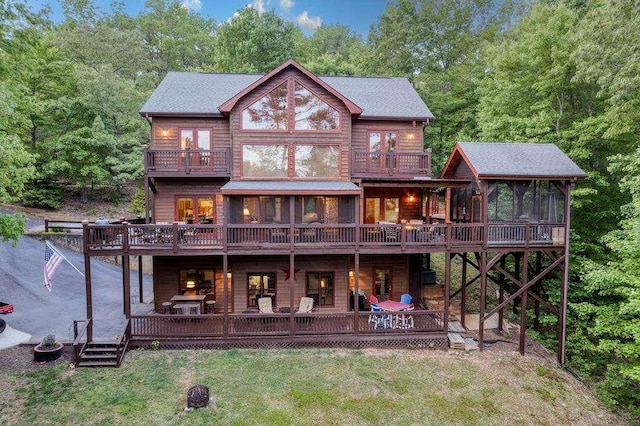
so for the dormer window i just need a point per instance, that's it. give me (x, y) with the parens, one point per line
(290, 106)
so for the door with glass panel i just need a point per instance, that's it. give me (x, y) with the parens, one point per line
(382, 283)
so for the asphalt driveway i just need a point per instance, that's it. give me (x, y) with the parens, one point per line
(39, 312)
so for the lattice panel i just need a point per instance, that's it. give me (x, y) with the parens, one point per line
(408, 342)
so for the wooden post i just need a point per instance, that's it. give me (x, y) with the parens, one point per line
(463, 290)
(523, 302)
(126, 285)
(225, 283)
(140, 279)
(483, 298)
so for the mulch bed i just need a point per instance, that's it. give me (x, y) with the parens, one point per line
(19, 359)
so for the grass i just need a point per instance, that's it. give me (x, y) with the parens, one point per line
(301, 387)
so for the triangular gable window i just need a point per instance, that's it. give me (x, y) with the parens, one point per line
(312, 113)
(269, 113)
(290, 106)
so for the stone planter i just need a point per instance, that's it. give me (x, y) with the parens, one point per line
(47, 354)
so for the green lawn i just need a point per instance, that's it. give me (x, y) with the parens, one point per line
(289, 387)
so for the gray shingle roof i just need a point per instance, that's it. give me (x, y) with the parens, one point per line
(544, 160)
(186, 93)
(289, 186)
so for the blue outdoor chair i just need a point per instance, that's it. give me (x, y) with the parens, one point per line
(406, 299)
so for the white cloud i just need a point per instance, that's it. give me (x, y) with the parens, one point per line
(192, 4)
(257, 5)
(307, 22)
(286, 4)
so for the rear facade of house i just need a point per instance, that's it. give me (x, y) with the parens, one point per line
(290, 185)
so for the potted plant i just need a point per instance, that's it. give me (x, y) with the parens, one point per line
(49, 349)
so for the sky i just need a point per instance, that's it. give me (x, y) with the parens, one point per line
(358, 15)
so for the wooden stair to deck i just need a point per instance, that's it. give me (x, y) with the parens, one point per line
(99, 354)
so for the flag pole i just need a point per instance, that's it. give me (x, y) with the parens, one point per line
(52, 247)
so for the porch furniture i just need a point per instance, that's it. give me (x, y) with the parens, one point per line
(306, 305)
(405, 298)
(265, 305)
(393, 306)
(167, 307)
(211, 305)
(188, 308)
(199, 298)
(379, 320)
(403, 320)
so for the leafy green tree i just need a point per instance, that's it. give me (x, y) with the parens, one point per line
(254, 42)
(332, 50)
(177, 39)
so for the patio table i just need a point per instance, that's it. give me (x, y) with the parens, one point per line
(397, 320)
(199, 298)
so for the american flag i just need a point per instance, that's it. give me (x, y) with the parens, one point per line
(51, 261)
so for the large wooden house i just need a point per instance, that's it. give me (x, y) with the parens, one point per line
(289, 185)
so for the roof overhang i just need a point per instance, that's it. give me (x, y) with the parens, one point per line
(289, 187)
(226, 107)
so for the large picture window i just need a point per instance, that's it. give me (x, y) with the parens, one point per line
(311, 113)
(290, 106)
(320, 287)
(269, 113)
(317, 161)
(265, 161)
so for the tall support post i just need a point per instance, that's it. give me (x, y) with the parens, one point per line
(87, 283)
(463, 290)
(536, 289)
(126, 285)
(501, 293)
(447, 289)
(140, 279)
(483, 298)
(447, 205)
(147, 216)
(356, 291)
(565, 276)
(225, 292)
(292, 284)
(523, 302)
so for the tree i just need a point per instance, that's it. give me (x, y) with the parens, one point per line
(332, 50)
(254, 42)
(177, 39)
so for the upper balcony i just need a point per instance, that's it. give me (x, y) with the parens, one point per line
(217, 163)
(187, 162)
(390, 165)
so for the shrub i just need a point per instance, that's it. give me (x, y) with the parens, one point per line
(43, 197)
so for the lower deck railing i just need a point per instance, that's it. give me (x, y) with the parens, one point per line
(281, 325)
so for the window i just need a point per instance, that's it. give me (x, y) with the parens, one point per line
(265, 161)
(269, 113)
(320, 288)
(382, 209)
(317, 161)
(325, 209)
(383, 141)
(195, 209)
(311, 113)
(197, 281)
(195, 138)
(290, 106)
(260, 285)
(272, 161)
(381, 283)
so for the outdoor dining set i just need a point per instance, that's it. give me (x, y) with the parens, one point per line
(391, 313)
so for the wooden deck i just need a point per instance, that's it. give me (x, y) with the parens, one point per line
(313, 328)
(149, 239)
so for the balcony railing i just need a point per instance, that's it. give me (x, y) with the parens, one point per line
(391, 164)
(348, 237)
(292, 325)
(209, 162)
